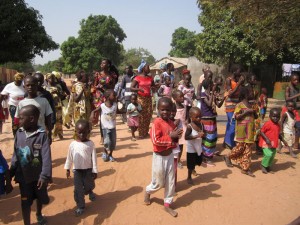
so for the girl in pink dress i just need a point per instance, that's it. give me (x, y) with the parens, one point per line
(188, 91)
(165, 90)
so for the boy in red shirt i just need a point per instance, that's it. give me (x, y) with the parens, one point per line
(164, 136)
(269, 134)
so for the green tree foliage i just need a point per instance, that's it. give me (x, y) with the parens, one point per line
(22, 35)
(55, 65)
(99, 37)
(183, 43)
(25, 67)
(134, 56)
(248, 32)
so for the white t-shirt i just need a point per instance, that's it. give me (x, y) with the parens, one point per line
(15, 93)
(137, 109)
(82, 155)
(108, 116)
(41, 103)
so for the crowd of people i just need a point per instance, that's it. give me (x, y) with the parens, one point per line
(41, 105)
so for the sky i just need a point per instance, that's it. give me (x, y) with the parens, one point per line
(147, 24)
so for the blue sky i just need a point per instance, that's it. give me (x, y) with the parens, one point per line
(147, 24)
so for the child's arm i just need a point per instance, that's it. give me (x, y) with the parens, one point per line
(94, 162)
(46, 174)
(283, 118)
(198, 96)
(209, 100)
(93, 115)
(219, 103)
(160, 91)
(267, 140)
(160, 139)
(282, 139)
(188, 133)
(69, 162)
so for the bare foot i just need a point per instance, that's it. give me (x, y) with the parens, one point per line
(190, 181)
(147, 199)
(172, 212)
(293, 155)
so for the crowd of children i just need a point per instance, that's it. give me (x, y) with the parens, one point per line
(178, 123)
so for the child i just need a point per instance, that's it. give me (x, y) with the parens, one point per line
(82, 155)
(31, 163)
(164, 136)
(188, 91)
(180, 115)
(288, 130)
(263, 102)
(209, 120)
(193, 136)
(269, 134)
(108, 111)
(44, 120)
(5, 180)
(165, 90)
(133, 111)
(244, 133)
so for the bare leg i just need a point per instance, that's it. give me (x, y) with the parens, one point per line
(147, 199)
(292, 153)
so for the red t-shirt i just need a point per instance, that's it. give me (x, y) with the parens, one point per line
(145, 84)
(263, 99)
(159, 134)
(272, 131)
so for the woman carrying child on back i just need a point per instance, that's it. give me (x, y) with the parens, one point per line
(244, 133)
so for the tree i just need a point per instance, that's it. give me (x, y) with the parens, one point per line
(229, 35)
(134, 56)
(183, 43)
(25, 67)
(22, 35)
(55, 65)
(99, 37)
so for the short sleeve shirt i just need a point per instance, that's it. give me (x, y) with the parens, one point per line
(131, 107)
(15, 93)
(271, 130)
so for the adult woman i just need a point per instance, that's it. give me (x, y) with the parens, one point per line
(15, 93)
(142, 84)
(232, 87)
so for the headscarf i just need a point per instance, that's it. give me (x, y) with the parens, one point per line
(19, 76)
(142, 65)
(185, 71)
(49, 75)
(56, 74)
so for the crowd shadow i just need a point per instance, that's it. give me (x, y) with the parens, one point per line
(103, 207)
(58, 162)
(134, 156)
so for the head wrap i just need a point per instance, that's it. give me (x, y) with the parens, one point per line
(142, 65)
(56, 74)
(185, 71)
(19, 76)
(49, 75)
(163, 66)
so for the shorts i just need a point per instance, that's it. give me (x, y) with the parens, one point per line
(133, 121)
(110, 138)
(289, 138)
(263, 111)
(30, 191)
(193, 159)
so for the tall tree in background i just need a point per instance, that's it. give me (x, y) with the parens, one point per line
(183, 43)
(99, 37)
(134, 56)
(248, 32)
(55, 65)
(22, 35)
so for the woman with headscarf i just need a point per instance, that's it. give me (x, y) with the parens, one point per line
(15, 93)
(142, 84)
(57, 94)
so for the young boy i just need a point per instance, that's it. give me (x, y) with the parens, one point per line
(269, 134)
(44, 120)
(31, 163)
(164, 136)
(82, 155)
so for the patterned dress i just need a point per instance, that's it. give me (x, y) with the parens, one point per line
(82, 108)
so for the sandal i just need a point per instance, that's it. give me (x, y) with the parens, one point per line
(41, 220)
(79, 211)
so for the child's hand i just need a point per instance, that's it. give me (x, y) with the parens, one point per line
(268, 142)
(201, 134)
(176, 122)
(68, 174)
(175, 134)
(94, 175)
(141, 90)
(42, 183)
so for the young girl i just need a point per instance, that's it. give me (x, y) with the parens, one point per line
(193, 136)
(263, 103)
(188, 91)
(82, 155)
(288, 130)
(108, 112)
(180, 115)
(269, 134)
(209, 120)
(165, 90)
(133, 111)
(244, 133)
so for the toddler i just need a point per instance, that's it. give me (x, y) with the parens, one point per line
(133, 111)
